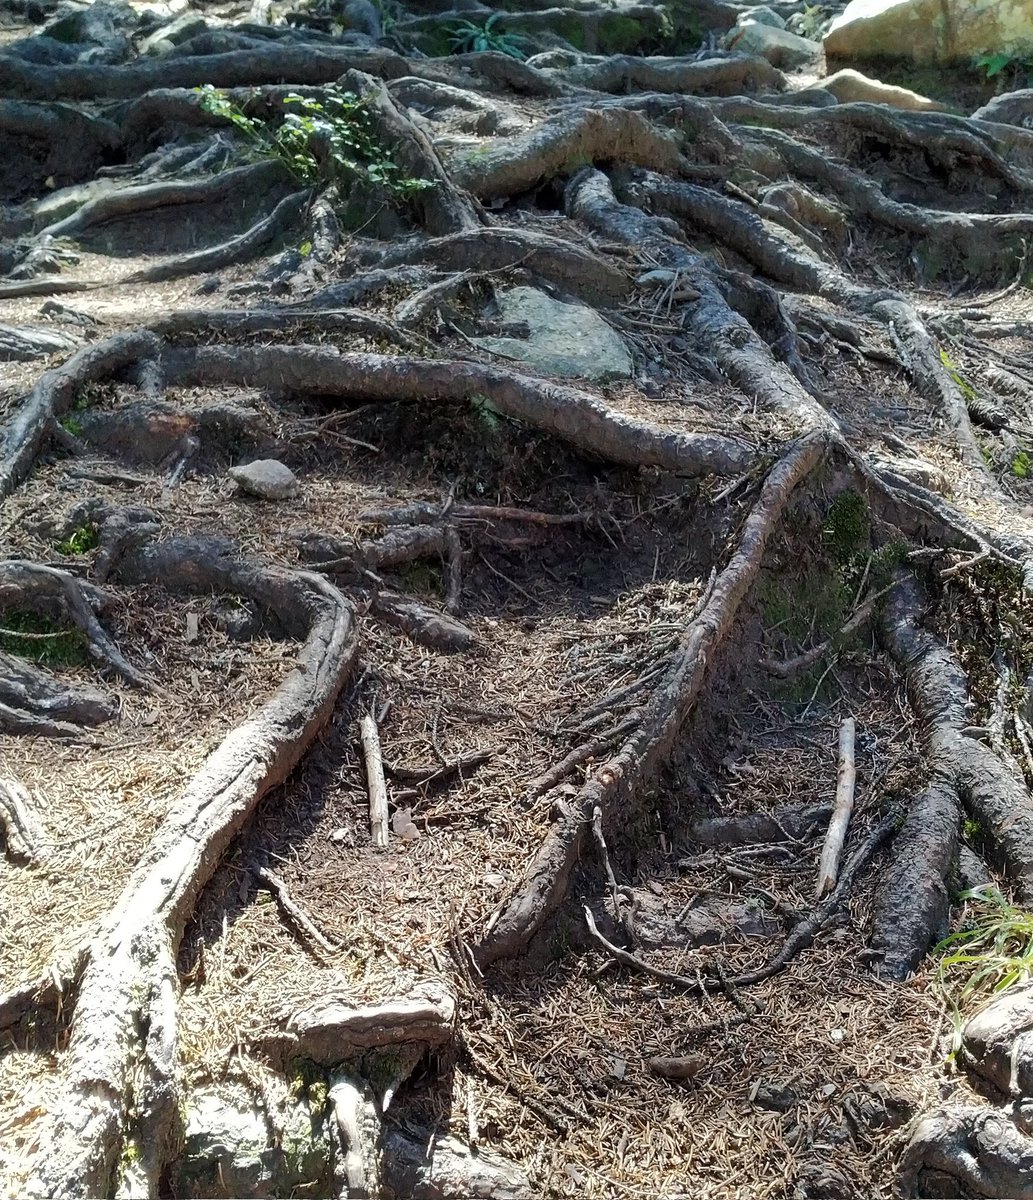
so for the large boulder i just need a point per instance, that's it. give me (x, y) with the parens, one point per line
(560, 338)
(1011, 108)
(930, 31)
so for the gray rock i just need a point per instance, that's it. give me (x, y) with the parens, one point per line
(564, 339)
(267, 479)
(441, 1168)
(762, 15)
(1013, 108)
(930, 31)
(780, 47)
(231, 1149)
(186, 25)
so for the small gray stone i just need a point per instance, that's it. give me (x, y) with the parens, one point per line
(267, 479)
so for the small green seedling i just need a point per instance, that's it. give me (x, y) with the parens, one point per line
(81, 540)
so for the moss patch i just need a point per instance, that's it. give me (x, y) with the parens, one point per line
(35, 637)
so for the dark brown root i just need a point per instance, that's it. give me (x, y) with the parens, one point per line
(780, 825)
(616, 782)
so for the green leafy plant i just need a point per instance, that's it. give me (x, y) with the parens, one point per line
(1018, 64)
(323, 140)
(80, 541)
(466, 38)
(993, 951)
(1020, 465)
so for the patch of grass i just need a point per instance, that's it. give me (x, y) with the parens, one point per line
(321, 141)
(1020, 465)
(80, 541)
(848, 528)
(35, 637)
(972, 830)
(992, 951)
(72, 425)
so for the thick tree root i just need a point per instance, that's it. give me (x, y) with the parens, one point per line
(55, 393)
(19, 823)
(616, 781)
(121, 1058)
(959, 763)
(971, 1151)
(575, 416)
(34, 701)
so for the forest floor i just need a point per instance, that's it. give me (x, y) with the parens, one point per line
(809, 1083)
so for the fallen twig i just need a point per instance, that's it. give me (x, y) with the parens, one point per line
(293, 911)
(832, 850)
(375, 780)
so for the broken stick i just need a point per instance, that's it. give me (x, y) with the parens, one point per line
(832, 851)
(375, 780)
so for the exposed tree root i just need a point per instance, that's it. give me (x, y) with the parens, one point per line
(19, 823)
(233, 250)
(54, 394)
(913, 906)
(721, 76)
(971, 1151)
(33, 701)
(571, 267)
(573, 415)
(230, 184)
(547, 877)
(121, 1057)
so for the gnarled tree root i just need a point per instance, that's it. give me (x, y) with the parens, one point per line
(576, 416)
(121, 1058)
(913, 905)
(547, 877)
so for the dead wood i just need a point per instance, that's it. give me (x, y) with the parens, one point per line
(19, 822)
(293, 912)
(615, 782)
(835, 838)
(574, 415)
(25, 343)
(230, 322)
(127, 999)
(780, 825)
(378, 812)
(800, 937)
